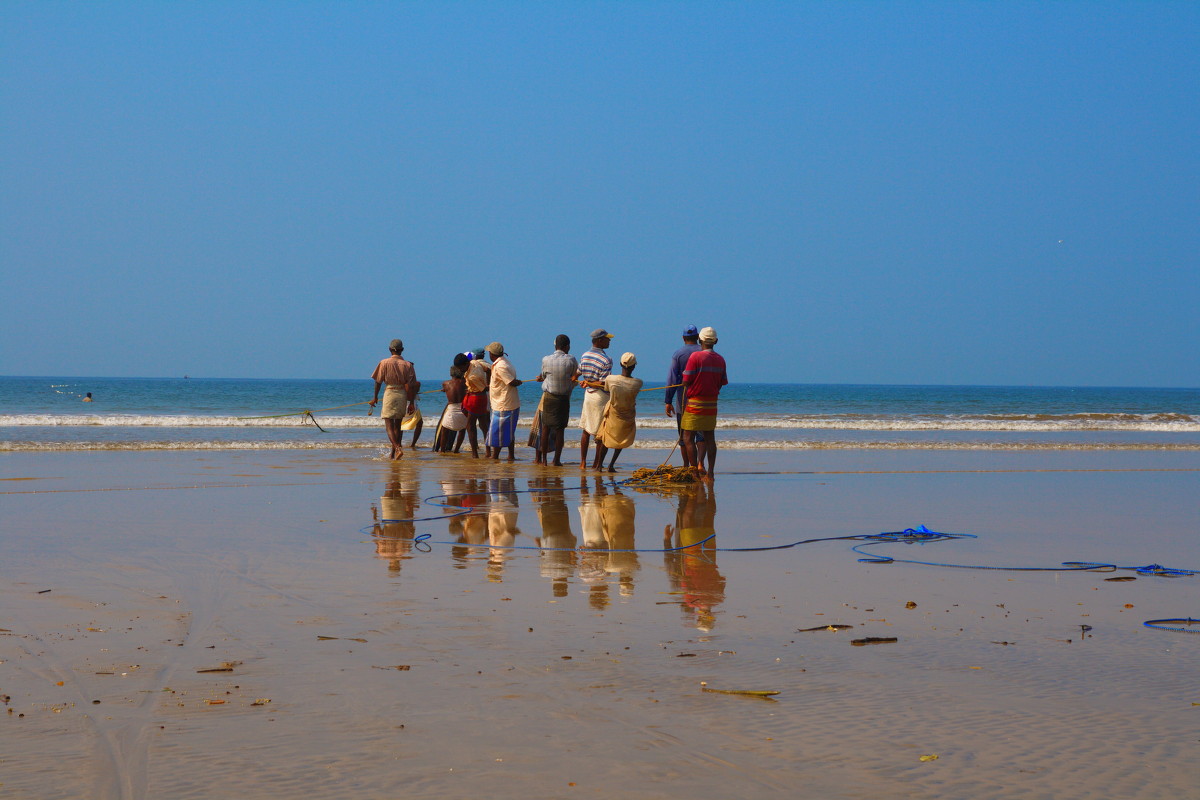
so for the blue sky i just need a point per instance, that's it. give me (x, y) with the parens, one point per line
(850, 192)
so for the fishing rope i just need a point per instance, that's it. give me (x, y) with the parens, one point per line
(1162, 624)
(308, 413)
(922, 535)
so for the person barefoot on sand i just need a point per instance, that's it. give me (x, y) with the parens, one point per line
(559, 371)
(691, 344)
(594, 367)
(477, 375)
(703, 378)
(454, 421)
(399, 377)
(618, 427)
(505, 402)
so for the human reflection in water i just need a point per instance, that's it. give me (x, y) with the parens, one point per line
(501, 525)
(593, 566)
(558, 557)
(393, 529)
(617, 511)
(470, 528)
(607, 517)
(693, 572)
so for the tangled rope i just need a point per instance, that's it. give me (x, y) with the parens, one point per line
(662, 476)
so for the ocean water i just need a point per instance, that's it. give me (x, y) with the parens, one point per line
(46, 413)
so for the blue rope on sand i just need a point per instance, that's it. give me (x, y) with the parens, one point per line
(1159, 624)
(922, 535)
(919, 535)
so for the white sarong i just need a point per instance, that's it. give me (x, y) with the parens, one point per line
(593, 410)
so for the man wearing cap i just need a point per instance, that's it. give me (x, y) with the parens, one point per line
(703, 377)
(679, 360)
(506, 404)
(594, 367)
(559, 371)
(401, 380)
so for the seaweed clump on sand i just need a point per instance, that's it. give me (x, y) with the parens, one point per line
(664, 476)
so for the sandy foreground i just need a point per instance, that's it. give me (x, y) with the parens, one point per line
(205, 625)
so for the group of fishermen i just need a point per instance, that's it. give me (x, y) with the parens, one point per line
(482, 398)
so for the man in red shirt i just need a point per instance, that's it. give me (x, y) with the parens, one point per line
(703, 378)
(401, 381)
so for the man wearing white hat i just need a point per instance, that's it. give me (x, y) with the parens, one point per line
(703, 378)
(619, 425)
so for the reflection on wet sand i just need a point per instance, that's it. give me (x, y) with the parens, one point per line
(558, 541)
(393, 529)
(693, 572)
(501, 524)
(591, 563)
(607, 516)
(601, 555)
(617, 511)
(472, 528)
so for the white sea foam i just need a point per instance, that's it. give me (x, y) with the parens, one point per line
(180, 421)
(1020, 423)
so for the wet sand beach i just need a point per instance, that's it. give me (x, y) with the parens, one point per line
(214, 624)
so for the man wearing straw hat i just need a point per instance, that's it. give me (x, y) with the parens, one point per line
(401, 381)
(703, 378)
(506, 404)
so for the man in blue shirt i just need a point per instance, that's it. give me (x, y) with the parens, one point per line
(691, 344)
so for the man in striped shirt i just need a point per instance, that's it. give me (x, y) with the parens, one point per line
(594, 367)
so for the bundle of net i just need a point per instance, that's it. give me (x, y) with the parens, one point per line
(664, 476)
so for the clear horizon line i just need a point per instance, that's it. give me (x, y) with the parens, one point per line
(732, 383)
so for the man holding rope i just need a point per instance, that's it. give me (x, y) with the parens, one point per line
(505, 402)
(401, 381)
(594, 367)
(679, 359)
(703, 378)
(559, 371)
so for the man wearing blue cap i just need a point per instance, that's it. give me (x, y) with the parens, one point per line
(691, 344)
